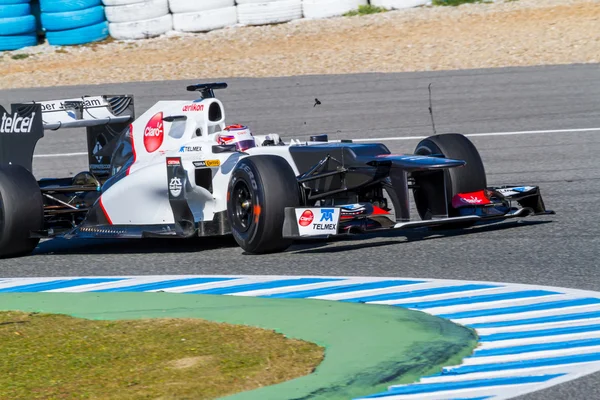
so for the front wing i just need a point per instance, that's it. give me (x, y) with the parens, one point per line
(501, 203)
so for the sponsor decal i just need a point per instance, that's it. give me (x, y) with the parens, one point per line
(350, 211)
(507, 192)
(193, 107)
(14, 123)
(306, 218)
(154, 133)
(175, 186)
(187, 149)
(353, 207)
(251, 175)
(326, 221)
(327, 214)
(523, 189)
(60, 105)
(97, 148)
(207, 163)
(99, 167)
(318, 221)
(470, 199)
(173, 161)
(511, 191)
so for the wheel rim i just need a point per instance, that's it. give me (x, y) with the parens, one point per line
(243, 206)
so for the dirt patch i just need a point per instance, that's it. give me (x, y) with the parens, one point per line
(189, 362)
(512, 33)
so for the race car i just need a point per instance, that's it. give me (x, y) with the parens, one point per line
(179, 171)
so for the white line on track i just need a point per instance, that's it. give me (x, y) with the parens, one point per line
(383, 139)
(485, 134)
(60, 155)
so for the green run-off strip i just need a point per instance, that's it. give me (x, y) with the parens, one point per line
(368, 347)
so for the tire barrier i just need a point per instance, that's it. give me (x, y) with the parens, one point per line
(138, 20)
(76, 22)
(189, 6)
(18, 27)
(204, 21)
(14, 10)
(73, 22)
(203, 15)
(316, 9)
(141, 29)
(18, 41)
(270, 12)
(144, 10)
(52, 6)
(119, 2)
(71, 37)
(61, 21)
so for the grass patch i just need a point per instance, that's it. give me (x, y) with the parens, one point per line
(20, 56)
(455, 3)
(61, 357)
(365, 10)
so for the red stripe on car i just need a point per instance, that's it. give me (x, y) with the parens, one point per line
(104, 211)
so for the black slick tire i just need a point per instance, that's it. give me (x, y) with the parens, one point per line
(21, 211)
(259, 190)
(429, 191)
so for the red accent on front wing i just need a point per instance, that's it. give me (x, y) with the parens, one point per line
(104, 211)
(379, 211)
(470, 199)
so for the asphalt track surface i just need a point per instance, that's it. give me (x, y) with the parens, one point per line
(560, 250)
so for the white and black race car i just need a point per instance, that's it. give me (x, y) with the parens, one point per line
(179, 171)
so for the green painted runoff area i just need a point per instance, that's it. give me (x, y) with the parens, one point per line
(367, 347)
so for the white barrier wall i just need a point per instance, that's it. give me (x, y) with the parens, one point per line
(72, 22)
(137, 19)
(134, 19)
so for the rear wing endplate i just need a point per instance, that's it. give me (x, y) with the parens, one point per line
(104, 117)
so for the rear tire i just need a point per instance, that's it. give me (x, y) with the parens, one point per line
(259, 190)
(21, 211)
(429, 194)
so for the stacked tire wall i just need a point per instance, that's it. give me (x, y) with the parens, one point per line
(18, 27)
(202, 16)
(75, 22)
(135, 19)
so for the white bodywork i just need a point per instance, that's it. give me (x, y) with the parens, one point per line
(141, 198)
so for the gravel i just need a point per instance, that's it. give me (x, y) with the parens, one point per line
(508, 33)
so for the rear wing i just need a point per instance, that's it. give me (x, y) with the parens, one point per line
(104, 118)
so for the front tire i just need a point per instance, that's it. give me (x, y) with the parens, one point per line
(260, 189)
(21, 211)
(430, 197)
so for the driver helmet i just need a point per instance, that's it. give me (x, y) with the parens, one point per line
(239, 135)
